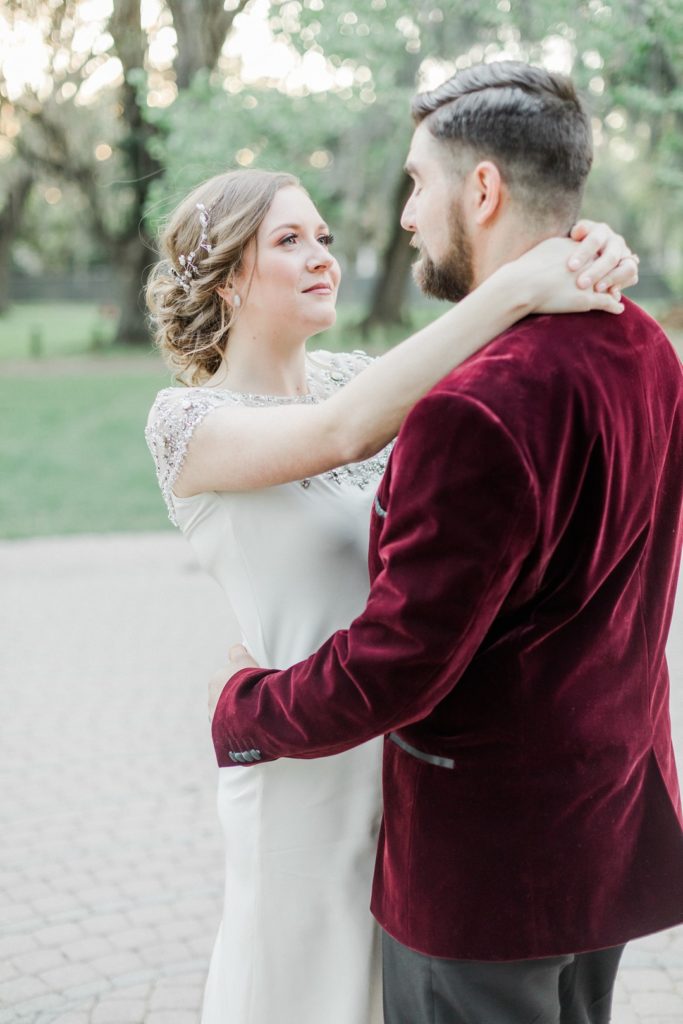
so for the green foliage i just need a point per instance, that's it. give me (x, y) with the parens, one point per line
(359, 130)
(207, 130)
(637, 94)
(348, 143)
(626, 58)
(56, 235)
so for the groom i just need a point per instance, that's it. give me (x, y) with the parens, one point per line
(524, 548)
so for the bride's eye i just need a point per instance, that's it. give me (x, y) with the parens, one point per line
(287, 239)
(326, 240)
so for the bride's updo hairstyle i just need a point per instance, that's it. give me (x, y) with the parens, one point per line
(201, 248)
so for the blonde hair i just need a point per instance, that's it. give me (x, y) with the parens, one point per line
(190, 320)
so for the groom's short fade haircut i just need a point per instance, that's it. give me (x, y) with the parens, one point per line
(530, 122)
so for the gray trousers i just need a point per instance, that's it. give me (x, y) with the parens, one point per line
(573, 989)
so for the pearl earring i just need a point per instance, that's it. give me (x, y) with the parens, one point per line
(236, 301)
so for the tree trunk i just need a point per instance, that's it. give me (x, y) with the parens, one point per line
(57, 154)
(133, 253)
(5, 259)
(388, 293)
(10, 222)
(134, 261)
(201, 28)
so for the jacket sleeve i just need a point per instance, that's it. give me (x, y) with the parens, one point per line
(461, 517)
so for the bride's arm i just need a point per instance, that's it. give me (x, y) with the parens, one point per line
(237, 448)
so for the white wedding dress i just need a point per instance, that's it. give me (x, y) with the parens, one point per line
(297, 943)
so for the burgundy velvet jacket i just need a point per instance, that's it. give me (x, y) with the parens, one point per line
(523, 556)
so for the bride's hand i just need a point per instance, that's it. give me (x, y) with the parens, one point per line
(567, 276)
(238, 658)
(603, 259)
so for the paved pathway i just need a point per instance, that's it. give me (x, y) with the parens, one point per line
(110, 853)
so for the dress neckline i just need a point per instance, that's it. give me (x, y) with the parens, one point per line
(256, 397)
(322, 378)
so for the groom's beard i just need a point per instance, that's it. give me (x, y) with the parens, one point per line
(453, 278)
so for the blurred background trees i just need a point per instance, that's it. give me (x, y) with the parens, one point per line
(112, 109)
(80, 119)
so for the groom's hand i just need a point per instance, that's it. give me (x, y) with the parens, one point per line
(237, 660)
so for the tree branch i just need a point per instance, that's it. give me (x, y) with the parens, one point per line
(18, 193)
(60, 161)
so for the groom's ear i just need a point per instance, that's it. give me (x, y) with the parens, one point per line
(487, 192)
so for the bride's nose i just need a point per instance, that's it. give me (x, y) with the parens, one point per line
(319, 257)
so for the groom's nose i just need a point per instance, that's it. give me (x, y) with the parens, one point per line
(408, 216)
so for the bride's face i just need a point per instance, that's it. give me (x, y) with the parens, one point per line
(289, 277)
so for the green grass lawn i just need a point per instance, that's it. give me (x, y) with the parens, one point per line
(73, 457)
(52, 330)
(72, 453)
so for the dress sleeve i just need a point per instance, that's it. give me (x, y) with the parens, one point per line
(352, 362)
(171, 423)
(332, 370)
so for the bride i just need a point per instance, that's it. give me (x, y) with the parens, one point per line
(268, 462)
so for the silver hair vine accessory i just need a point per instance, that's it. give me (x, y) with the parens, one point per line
(184, 276)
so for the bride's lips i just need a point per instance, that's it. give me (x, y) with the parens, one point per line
(321, 287)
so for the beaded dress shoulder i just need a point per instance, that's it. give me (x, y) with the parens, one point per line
(177, 411)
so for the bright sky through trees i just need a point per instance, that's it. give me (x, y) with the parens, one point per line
(24, 54)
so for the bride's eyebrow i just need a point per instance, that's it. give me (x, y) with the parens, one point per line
(296, 227)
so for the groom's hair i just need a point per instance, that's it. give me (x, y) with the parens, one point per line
(528, 121)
